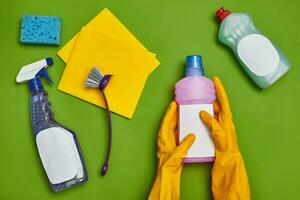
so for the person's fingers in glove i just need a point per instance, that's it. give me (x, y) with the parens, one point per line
(167, 182)
(166, 136)
(181, 150)
(229, 176)
(217, 131)
(222, 97)
(217, 109)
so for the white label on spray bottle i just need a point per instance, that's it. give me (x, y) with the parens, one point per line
(58, 153)
(190, 122)
(258, 54)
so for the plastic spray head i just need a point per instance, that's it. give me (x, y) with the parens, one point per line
(194, 66)
(32, 72)
(222, 13)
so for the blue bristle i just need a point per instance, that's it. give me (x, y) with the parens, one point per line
(40, 30)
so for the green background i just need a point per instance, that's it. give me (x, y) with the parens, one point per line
(267, 121)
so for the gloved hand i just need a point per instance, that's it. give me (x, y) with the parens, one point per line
(229, 176)
(167, 182)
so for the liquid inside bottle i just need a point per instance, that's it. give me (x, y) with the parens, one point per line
(58, 146)
(260, 58)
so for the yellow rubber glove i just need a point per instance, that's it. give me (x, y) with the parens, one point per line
(229, 176)
(167, 182)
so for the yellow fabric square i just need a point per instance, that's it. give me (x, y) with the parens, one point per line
(127, 63)
(106, 22)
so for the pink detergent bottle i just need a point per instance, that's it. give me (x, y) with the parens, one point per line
(194, 93)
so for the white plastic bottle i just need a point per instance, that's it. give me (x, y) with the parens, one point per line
(260, 58)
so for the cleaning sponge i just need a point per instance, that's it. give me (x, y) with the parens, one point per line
(40, 30)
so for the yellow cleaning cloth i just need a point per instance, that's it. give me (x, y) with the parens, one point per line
(106, 22)
(129, 64)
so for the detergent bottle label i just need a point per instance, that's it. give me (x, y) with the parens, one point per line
(203, 148)
(258, 54)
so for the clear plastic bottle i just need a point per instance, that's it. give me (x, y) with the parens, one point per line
(58, 146)
(260, 58)
(194, 93)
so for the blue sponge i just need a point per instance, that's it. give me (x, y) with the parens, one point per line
(40, 30)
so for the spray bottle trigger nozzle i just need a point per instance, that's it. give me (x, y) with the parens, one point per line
(44, 73)
(35, 70)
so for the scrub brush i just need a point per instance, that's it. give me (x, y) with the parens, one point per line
(97, 80)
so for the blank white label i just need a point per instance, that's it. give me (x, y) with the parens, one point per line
(58, 153)
(190, 122)
(258, 54)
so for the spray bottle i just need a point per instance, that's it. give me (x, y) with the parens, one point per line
(193, 94)
(57, 145)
